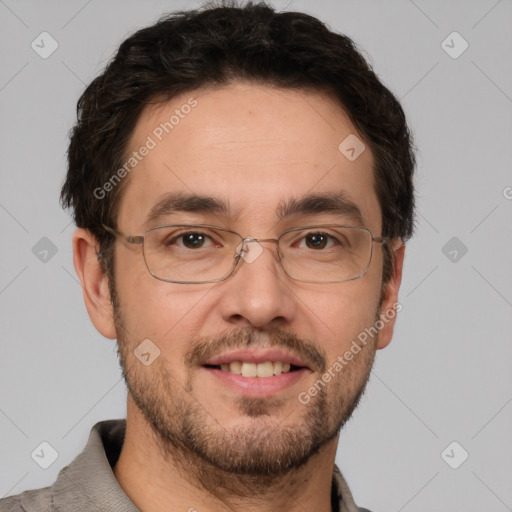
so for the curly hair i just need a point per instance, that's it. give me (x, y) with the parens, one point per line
(216, 45)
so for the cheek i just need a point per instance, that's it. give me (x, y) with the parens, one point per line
(140, 297)
(343, 315)
(165, 313)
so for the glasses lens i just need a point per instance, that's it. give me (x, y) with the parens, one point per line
(188, 253)
(326, 253)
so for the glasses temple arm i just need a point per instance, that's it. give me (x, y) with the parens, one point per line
(127, 238)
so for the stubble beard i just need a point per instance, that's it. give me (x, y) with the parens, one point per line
(241, 460)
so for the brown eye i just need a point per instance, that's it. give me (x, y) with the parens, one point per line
(316, 241)
(193, 240)
(189, 240)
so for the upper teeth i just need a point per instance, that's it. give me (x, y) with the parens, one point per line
(266, 369)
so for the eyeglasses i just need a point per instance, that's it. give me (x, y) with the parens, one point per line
(200, 253)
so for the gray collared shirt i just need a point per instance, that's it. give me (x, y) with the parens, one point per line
(88, 484)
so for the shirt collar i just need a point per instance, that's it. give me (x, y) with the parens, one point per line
(90, 484)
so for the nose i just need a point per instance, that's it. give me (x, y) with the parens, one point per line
(258, 292)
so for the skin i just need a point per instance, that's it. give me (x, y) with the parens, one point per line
(253, 146)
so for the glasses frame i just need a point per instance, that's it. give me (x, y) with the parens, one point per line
(139, 240)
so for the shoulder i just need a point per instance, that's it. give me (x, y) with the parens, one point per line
(36, 500)
(10, 504)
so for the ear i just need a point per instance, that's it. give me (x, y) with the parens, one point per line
(390, 305)
(94, 282)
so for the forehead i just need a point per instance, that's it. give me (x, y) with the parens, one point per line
(252, 147)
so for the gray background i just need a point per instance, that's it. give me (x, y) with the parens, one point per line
(445, 377)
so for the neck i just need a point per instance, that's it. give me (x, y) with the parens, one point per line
(158, 478)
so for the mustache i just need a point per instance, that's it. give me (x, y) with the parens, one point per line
(205, 348)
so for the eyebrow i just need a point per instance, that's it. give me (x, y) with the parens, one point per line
(313, 204)
(316, 204)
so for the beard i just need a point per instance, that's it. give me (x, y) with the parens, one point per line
(246, 458)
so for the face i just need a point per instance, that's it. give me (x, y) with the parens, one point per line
(254, 149)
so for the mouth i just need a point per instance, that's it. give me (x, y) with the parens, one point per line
(261, 370)
(257, 373)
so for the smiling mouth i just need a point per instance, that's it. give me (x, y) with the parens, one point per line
(262, 370)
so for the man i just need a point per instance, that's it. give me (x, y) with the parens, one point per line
(242, 186)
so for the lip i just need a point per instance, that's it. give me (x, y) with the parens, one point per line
(257, 387)
(257, 356)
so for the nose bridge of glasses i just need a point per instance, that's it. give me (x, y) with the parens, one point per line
(250, 252)
(251, 239)
(258, 241)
